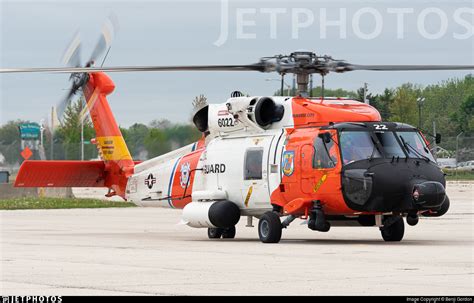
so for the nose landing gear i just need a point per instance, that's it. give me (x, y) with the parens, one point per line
(393, 228)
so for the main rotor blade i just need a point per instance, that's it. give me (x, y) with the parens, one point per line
(354, 67)
(252, 67)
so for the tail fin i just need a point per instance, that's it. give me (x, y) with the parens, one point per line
(117, 163)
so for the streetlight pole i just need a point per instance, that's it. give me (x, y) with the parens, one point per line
(457, 150)
(420, 101)
(52, 134)
(365, 93)
(82, 131)
(41, 131)
(282, 83)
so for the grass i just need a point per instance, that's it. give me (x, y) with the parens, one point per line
(452, 175)
(58, 203)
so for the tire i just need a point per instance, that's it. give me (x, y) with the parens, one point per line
(269, 228)
(412, 220)
(395, 231)
(228, 233)
(214, 233)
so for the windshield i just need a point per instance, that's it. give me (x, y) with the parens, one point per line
(367, 145)
(357, 145)
(390, 145)
(415, 145)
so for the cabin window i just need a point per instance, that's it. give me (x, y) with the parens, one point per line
(253, 164)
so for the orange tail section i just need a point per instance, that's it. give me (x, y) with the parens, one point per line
(117, 163)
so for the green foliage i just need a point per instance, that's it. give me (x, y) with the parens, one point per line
(156, 142)
(10, 141)
(69, 133)
(403, 107)
(57, 203)
(383, 103)
(135, 137)
(317, 92)
(163, 136)
(444, 104)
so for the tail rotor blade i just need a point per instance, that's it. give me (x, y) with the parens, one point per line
(105, 40)
(63, 104)
(72, 55)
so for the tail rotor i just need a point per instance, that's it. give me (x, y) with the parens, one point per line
(72, 58)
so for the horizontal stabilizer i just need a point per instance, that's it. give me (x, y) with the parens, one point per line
(61, 174)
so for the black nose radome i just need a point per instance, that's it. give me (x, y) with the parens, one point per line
(429, 194)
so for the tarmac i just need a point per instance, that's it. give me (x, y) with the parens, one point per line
(143, 251)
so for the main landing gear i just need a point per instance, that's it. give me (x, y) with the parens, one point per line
(269, 227)
(224, 233)
(393, 228)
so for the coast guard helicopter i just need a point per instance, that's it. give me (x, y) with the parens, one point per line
(328, 161)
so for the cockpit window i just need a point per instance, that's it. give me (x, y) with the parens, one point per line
(357, 145)
(415, 145)
(325, 154)
(390, 145)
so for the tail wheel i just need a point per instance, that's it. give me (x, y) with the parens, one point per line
(269, 228)
(214, 233)
(228, 233)
(393, 232)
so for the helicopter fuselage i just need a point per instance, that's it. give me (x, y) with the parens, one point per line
(309, 154)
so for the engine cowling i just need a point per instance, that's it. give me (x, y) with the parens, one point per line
(221, 214)
(264, 111)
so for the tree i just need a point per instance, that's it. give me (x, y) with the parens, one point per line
(404, 106)
(10, 142)
(156, 143)
(69, 133)
(464, 117)
(317, 92)
(382, 103)
(135, 137)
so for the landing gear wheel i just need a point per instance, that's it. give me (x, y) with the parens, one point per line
(269, 228)
(412, 220)
(214, 233)
(393, 232)
(228, 233)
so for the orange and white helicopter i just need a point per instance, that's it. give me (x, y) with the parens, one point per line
(329, 161)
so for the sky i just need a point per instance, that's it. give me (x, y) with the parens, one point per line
(166, 32)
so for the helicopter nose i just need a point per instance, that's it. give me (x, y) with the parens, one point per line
(386, 187)
(429, 195)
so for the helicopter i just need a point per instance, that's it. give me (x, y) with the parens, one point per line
(326, 161)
